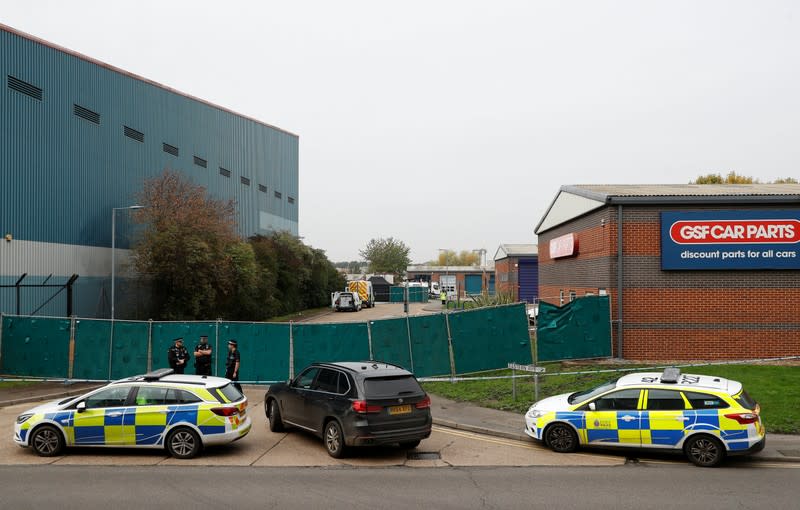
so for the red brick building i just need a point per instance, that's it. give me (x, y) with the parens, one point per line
(516, 267)
(694, 272)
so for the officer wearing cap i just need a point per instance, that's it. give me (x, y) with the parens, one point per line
(202, 356)
(232, 363)
(177, 356)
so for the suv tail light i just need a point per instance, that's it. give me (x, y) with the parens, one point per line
(225, 411)
(743, 418)
(361, 407)
(425, 403)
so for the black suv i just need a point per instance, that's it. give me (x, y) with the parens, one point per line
(352, 404)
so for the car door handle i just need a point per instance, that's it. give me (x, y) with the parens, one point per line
(682, 418)
(115, 414)
(628, 417)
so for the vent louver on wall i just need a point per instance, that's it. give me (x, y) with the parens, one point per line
(170, 149)
(86, 113)
(24, 87)
(262, 188)
(245, 180)
(200, 162)
(224, 171)
(290, 200)
(132, 133)
(278, 194)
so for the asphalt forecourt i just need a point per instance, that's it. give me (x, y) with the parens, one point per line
(446, 447)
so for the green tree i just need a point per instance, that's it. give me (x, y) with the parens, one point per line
(387, 255)
(731, 178)
(464, 258)
(785, 180)
(184, 249)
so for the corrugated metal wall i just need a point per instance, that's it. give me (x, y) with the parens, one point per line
(528, 280)
(62, 173)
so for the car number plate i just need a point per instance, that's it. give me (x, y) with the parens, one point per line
(400, 409)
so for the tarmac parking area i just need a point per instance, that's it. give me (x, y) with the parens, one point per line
(446, 447)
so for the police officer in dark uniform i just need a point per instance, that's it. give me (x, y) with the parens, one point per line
(232, 363)
(202, 356)
(177, 356)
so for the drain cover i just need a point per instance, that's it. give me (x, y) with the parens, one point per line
(423, 456)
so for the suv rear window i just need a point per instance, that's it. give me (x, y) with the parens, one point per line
(705, 401)
(230, 392)
(381, 387)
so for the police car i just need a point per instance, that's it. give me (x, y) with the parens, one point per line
(706, 417)
(182, 413)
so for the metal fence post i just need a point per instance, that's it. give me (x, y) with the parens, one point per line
(149, 345)
(216, 346)
(110, 349)
(1, 339)
(369, 340)
(514, 384)
(410, 349)
(450, 347)
(291, 350)
(71, 360)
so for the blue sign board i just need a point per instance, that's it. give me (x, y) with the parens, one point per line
(740, 239)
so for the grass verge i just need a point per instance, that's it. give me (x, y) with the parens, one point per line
(15, 384)
(776, 388)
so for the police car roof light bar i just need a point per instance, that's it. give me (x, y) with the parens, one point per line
(155, 375)
(671, 375)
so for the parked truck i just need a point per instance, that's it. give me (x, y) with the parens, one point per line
(364, 290)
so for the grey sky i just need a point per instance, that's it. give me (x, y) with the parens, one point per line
(453, 124)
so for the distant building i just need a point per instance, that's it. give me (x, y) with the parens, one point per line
(458, 281)
(692, 271)
(516, 268)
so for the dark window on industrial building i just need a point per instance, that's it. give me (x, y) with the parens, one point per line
(572, 295)
(245, 180)
(132, 133)
(224, 171)
(290, 200)
(86, 113)
(200, 162)
(278, 194)
(170, 149)
(262, 188)
(24, 87)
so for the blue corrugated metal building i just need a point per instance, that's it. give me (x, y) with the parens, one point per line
(78, 138)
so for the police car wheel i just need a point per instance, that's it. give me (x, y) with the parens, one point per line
(47, 441)
(183, 443)
(334, 439)
(704, 451)
(274, 416)
(561, 438)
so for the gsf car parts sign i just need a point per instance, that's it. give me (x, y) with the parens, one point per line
(739, 239)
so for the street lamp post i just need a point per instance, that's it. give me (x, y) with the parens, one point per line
(114, 248)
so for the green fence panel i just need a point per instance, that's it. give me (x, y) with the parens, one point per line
(489, 338)
(165, 332)
(415, 294)
(92, 339)
(34, 346)
(129, 352)
(390, 342)
(578, 330)
(263, 350)
(429, 345)
(346, 341)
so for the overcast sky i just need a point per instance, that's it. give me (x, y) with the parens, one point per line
(452, 124)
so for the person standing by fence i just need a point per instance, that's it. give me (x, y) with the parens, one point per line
(232, 363)
(177, 356)
(202, 356)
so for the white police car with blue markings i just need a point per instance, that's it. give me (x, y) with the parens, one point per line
(181, 413)
(704, 416)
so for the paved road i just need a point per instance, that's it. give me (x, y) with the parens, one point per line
(380, 311)
(620, 488)
(264, 448)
